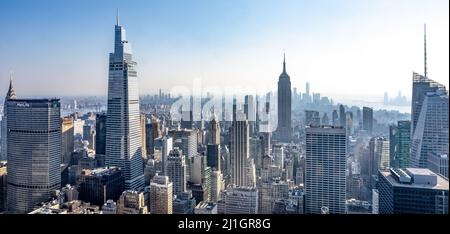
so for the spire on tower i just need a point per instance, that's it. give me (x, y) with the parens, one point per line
(117, 16)
(425, 49)
(11, 94)
(284, 62)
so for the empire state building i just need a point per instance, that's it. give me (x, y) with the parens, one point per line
(284, 129)
(123, 129)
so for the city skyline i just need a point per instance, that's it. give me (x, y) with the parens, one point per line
(221, 44)
(225, 146)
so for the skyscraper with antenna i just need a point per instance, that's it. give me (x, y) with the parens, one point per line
(284, 128)
(429, 116)
(123, 133)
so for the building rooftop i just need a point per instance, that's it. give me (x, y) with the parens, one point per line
(35, 100)
(100, 171)
(416, 178)
(206, 205)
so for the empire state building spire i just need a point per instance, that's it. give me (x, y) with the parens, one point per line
(284, 127)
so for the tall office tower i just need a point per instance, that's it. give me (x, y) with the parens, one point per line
(214, 132)
(100, 134)
(288, 174)
(98, 185)
(240, 200)
(131, 202)
(349, 122)
(379, 151)
(307, 93)
(341, 116)
(3, 188)
(256, 150)
(325, 169)
(187, 119)
(239, 152)
(278, 155)
(153, 131)
(87, 129)
(399, 144)
(150, 170)
(431, 132)
(438, 163)
(143, 136)
(325, 119)
(200, 179)
(368, 119)
(67, 139)
(372, 163)
(412, 191)
(34, 152)
(123, 128)
(294, 94)
(312, 118)
(421, 86)
(186, 140)
(213, 156)
(359, 120)
(284, 127)
(335, 117)
(217, 185)
(250, 112)
(11, 94)
(386, 98)
(167, 146)
(161, 195)
(176, 170)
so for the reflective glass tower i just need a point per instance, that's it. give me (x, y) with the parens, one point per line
(123, 133)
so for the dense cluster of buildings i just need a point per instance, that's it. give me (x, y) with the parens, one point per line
(134, 160)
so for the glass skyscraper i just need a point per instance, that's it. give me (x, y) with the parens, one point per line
(399, 144)
(34, 152)
(431, 130)
(123, 129)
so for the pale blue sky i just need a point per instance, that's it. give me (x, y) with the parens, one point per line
(339, 46)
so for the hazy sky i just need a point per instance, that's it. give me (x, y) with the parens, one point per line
(360, 47)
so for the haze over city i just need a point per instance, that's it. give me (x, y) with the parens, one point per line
(348, 48)
(224, 107)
